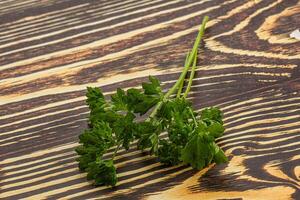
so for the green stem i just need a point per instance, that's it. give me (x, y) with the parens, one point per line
(197, 41)
(185, 70)
(116, 150)
(200, 35)
(170, 92)
(188, 88)
(182, 82)
(193, 116)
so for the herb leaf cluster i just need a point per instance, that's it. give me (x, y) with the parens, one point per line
(174, 131)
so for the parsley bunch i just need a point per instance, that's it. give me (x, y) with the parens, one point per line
(113, 124)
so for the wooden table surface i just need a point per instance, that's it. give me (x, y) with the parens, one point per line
(51, 50)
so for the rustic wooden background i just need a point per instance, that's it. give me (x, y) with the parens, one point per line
(50, 50)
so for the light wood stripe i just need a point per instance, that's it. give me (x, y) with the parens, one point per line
(264, 31)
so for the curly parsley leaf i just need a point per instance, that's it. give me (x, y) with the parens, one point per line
(197, 152)
(124, 129)
(95, 98)
(173, 131)
(119, 100)
(102, 172)
(169, 153)
(212, 113)
(152, 88)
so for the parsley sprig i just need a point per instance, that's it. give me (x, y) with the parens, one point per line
(113, 125)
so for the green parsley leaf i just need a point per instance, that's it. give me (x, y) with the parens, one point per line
(119, 100)
(152, 88)
(212, 113)
(113, 124)
(139, 102)
(197, 152)
(215, 128)
(169, 153)
(95, 98)
(103, 172)
(219, 156)
(124, 129)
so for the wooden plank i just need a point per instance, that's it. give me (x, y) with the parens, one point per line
(51, 50)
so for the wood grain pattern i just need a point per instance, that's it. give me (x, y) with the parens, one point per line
(51, 50)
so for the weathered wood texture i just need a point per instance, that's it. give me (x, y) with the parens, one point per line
(51, 50)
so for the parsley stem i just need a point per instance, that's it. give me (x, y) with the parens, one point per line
(188, 88)
(182, 82)
(193, 116)
(116, 150)
(186, 68)
(195, 55)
